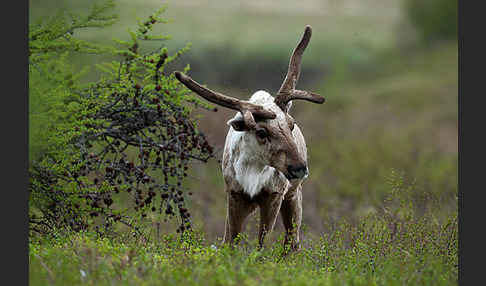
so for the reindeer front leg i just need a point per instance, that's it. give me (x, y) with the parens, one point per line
(269, 208)
(238, 210)
(292, 217)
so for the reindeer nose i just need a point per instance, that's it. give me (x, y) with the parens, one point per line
(297, 172)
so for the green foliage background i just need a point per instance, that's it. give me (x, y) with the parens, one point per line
(435, 19)
(52, 77)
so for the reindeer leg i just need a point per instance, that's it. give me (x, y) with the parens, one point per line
(239, 207)
(269, 208)
(292, 217)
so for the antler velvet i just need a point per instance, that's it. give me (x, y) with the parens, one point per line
(247, 109)
(287, 91)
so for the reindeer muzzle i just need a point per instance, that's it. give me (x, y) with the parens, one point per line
(297, 172)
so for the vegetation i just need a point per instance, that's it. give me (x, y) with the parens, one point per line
(87, 177)
(397, 248)
(380, 204)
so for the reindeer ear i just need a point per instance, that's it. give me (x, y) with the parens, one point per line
(238, 124)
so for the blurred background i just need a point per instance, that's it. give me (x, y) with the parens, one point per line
(387, 68)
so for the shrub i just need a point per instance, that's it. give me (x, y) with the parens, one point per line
(117, 149)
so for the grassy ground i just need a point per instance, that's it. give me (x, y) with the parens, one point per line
(398, 248)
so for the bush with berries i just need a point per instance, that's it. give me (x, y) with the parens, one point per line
(115, 151)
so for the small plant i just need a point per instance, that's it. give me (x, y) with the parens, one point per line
(120, 147)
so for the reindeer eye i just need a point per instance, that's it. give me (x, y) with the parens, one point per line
(261, 133)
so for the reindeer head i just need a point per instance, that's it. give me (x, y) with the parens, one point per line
(263, 124)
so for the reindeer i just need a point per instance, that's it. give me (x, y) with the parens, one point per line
(265, 157)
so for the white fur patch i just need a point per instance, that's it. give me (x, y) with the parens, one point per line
(253, 178)
(250, 173)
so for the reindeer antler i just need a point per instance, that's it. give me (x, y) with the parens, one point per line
(287, 91)
(247, 109)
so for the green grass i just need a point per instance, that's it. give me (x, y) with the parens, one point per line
(397, 248)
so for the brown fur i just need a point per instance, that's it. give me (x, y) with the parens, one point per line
(286, 147)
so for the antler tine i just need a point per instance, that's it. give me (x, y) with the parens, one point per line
(287, 91)
(212, 96)
(306, 95)
(226, 101)
(294, 65)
